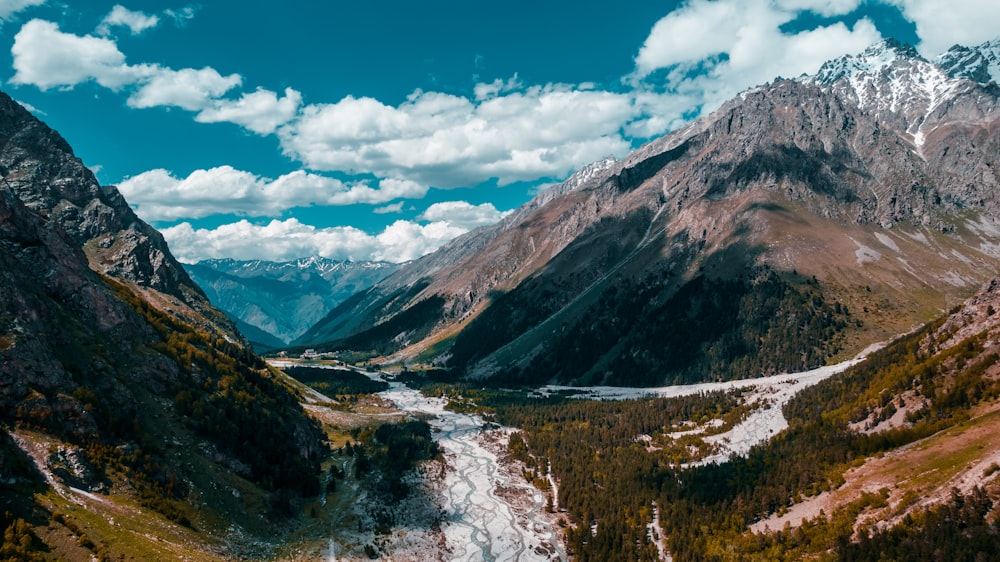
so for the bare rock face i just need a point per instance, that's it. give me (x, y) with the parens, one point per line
(40, 167)
(873, 181)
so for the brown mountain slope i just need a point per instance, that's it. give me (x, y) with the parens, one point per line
(40, 167)
(704, 252)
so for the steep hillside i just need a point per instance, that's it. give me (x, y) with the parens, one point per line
(278, 302)
(831, 211)
(895, 457)
(135, 422)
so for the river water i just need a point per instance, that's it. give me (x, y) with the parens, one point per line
(491, 513)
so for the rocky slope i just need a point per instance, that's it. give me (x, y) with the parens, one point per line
(121, 389)
(279, 301)
(830, 211)
(39, 166)
(923, 413)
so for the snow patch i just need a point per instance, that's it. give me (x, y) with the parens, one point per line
(961, 258)
(918, 237)
(887, 241)
(864, 254)
(762, 424)
(955, 279)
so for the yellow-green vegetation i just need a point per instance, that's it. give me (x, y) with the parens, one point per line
(190, 445)
(608, 481)
(19, 542)
(231, 399)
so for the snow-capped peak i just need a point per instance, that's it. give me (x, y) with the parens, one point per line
(980, 64)
(891, 78)
(588, 172)
(871, 61)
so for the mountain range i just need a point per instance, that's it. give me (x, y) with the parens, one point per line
(794, 226)
(273, 303)
(797, 224)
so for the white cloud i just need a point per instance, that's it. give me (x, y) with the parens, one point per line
(160, 196)
(463, 214)
(392, 209)
(828, 8)
(181, 16)
(261, 112)
(281, 240)
(449, 141)
(484, 91)
(120, 16)
(712, 50)
(943, 23)
(48, 58)
(30, 108)
(186, 88)
(10, 7)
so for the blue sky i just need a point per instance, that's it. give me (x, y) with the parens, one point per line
(380, 130)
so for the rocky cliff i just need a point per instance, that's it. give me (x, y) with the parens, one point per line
(40, 167)
(121, 389)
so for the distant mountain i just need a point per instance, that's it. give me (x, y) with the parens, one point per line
(122, 390)
(279, 301)
(798, 223)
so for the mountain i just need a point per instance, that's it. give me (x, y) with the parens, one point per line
(980, 64)
(796, 224)
(275, 302)
(134, 420)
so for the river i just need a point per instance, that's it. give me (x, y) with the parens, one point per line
(491, 513)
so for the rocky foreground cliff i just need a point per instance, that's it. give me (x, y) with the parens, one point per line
(134, 420)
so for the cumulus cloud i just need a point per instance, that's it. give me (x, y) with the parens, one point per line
(449, 141)
(711, 50)
(10, 7)
(48, 58)
(120, 16)
(186, 88)
(943, 23)
(289, 239)
(463, 214)
(828, 8)
(158, 195)
(261, 111)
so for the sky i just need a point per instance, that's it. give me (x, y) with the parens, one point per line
(380, 130)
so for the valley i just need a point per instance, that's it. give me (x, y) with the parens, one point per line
(472, 503)
(770, 334)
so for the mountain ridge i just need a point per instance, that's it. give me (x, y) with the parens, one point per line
(913, 179)
(278, 301)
